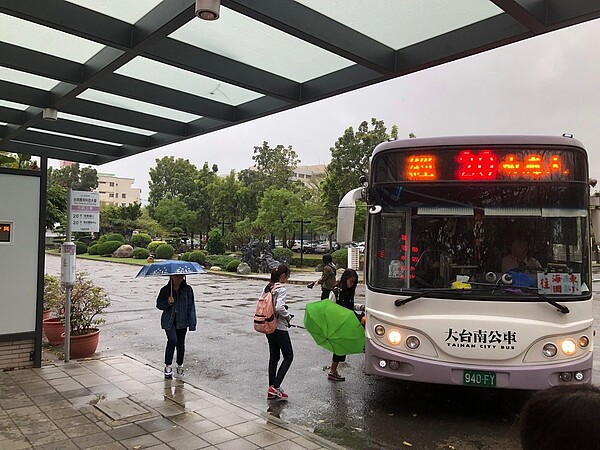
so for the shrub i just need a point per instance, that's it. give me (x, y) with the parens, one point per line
(107, 248)
(281, 254)
(220, 260)
(92, 243)
(80, 247)
(93, 249)
(140, 253)
(154, 244)
(340, 258)
(197, 256)
(215, 244)
(306, 262)
(165, 251)
(232, 265)
(115, 237)
(140, 240)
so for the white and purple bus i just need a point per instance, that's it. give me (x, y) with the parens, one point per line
(446, 301)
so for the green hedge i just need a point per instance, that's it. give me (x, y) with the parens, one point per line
(233, 265)
(93, 249)
(340, 258)
(153, 245)
(221, 260)
(307, 262)
(140, 253)
(165, 251)
(108, 247)
(115, 237)
(279, 253)
(198, 256)
(141, 240)
(80, 247)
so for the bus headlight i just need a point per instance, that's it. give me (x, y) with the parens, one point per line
(549, 350)
(568, 347)
(394, 337)
(584, 341)
(379, 330)
(413, 342)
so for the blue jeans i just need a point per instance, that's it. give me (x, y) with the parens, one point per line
(279, 341)
(175, 339)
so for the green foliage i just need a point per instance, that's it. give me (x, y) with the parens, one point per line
(173, 213)
(198, 256)
(244, 231)
(279, 253)
(140, 253)
(165, 251)
(115, 237)
(171, 179)
(119, 219)
(107, 248)
(215, 244)
(306, 262)
(279, 208)
(80, 247)
(140, 240)
(340, 258)
(220, 260)
(74, 177)
(87, 301)
(152, 246)
(56, 206)
(93, 249)
(233, 265)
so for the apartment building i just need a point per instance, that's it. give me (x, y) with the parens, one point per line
(308, 174)
(116, 190)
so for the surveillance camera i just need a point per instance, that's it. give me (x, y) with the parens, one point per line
(50, 114)
(208, 9)
(593, 182)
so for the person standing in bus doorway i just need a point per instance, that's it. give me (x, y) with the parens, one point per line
(279, 341)
(562, 417)
(519, 259)
(343, 294)
(328, 277)
(176, 300)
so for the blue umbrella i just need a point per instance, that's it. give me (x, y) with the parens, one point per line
(171, 267)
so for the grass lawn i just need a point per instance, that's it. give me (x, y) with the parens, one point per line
(135, 262)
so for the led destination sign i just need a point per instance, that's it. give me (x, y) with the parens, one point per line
(5, 232)
(478, 165)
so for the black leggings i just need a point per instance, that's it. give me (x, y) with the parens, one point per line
(175, 338)
(279, 341)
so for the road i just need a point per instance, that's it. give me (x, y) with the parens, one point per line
(225, 355)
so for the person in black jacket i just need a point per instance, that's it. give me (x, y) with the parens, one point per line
(343, 293)
(176, 300)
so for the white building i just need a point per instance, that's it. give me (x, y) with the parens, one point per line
(116, 190)
(308, 174)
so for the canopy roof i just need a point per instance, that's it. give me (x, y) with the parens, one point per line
(131, 76)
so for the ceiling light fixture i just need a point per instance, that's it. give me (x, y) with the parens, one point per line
(50, 114)
(208, 9)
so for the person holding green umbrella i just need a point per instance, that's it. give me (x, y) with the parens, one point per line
(343, 294)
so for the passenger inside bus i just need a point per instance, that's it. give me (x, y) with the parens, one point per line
(519, 259)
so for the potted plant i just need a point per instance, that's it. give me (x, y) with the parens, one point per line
(87, 301)
(53, 317)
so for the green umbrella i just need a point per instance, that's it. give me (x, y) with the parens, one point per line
(334, 327)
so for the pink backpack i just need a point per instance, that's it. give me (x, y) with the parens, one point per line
(265, 319)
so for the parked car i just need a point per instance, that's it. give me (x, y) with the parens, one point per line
(359, 245)
(322, 247)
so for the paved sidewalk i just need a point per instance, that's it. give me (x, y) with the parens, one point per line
(119, 402)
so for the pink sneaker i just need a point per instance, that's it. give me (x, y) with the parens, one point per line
(271, 393)
(280, 394)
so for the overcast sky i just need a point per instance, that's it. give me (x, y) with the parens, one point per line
(545, 85)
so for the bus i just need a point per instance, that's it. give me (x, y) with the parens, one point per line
(449, 299)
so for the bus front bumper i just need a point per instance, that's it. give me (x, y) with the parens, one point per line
(383, 362)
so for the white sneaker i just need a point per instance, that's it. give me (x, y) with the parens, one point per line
(168, 373)
(179, 371)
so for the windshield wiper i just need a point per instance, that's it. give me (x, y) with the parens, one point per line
(561, 308)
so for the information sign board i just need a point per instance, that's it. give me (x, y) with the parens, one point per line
(84, 211)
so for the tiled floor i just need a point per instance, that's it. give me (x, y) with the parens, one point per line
(118, 402)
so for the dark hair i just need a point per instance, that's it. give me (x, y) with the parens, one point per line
(348, 273)
(562, 417)
(327, 258)
(276, 273)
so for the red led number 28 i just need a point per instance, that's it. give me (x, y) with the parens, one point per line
(482, 165)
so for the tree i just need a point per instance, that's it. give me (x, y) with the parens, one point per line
(173, 212)
(279, 208)
(171, 178)
(119, 219)
(350, 159)
(74, 177)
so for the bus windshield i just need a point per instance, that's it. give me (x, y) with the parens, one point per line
(480, 240)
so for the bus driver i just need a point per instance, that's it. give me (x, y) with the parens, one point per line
(518, 258)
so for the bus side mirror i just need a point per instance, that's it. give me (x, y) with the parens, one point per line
(346, 213)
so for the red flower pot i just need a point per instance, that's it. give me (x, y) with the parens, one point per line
(46, 314)
(54, 330)
(85, 345)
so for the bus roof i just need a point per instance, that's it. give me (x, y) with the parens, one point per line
(479, 140)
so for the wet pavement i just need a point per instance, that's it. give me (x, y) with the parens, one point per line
(120, 403)
(227, 358)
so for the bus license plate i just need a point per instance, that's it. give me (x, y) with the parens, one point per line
(477, 378)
